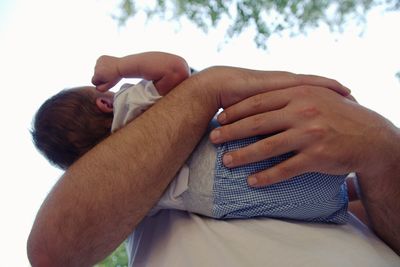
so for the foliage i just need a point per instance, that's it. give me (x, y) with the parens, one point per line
(118, 258)
(266, 16)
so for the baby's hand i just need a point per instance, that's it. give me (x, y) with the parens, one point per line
(106, 73)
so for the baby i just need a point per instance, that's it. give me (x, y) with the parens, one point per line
(73, 121)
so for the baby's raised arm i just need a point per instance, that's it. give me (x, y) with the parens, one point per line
(164, 69)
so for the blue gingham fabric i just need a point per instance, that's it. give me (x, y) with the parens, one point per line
(313, 197)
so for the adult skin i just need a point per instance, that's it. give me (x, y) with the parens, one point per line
(101, 198)
(328, 133)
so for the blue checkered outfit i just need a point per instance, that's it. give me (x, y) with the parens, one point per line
(313, 197)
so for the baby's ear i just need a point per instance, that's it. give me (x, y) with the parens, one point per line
(105, 104)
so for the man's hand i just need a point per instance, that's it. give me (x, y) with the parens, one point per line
(106, 73)
(327, 132)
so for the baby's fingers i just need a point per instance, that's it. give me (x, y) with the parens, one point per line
(98, 79)
(102, 87)
(106, 86)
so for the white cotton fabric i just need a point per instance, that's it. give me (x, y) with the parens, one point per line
(181, 239)
(131, 101)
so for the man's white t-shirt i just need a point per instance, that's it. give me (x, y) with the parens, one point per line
(177, 238)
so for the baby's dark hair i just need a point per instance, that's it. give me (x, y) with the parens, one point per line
(68, 125)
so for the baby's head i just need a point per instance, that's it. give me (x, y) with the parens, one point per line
(72, 122)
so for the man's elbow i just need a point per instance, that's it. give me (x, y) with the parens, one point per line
(40, 260)
(37, 255)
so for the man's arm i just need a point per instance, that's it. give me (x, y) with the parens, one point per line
(164, 69)
(103, 196)
(380, 187)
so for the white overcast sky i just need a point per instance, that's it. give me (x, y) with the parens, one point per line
(46, 46)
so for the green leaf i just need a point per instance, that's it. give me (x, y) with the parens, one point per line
(118, 258)
(266, 16)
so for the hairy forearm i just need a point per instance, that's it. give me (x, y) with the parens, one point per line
(101, 198)
(380, 187)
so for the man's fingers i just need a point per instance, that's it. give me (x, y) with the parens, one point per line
(254, 105)
(269, 147)
(260, 124)
(285, 170)
(324, 82)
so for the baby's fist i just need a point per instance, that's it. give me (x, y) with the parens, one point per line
(106, 73)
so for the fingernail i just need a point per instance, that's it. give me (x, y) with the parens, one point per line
(221, 117)
(348, 90)
(252, 180)
(227, 160)
(214, 135)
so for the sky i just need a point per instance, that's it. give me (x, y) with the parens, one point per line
(46, 46)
